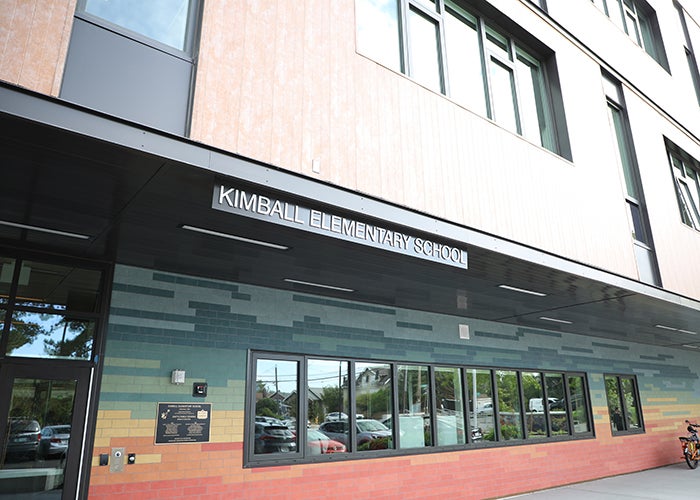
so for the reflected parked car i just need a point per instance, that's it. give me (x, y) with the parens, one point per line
(23, 440)
(320, 444)
(53, 441)
(274, 439)
(367, 430)
(335, 416)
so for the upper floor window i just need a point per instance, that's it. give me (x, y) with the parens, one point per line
(634, 195)
(457, 52)
(691, 32)
(686, 178)
(638, 20)
(168, 22)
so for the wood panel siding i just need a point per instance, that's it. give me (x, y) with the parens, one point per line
(34, 37)
(289, 88)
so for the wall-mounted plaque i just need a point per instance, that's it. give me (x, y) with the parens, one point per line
(183, 423)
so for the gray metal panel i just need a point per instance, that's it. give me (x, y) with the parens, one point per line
(112, 73)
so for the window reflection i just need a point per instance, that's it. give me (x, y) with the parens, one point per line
(535, 415)
(276, 406)
(161, 20)
(629, 397)
(579, 409)
(50, 336)
(480, 391)
(7, 269)
(503, 95)
(373, 385)
(50, 286)
(425, 55)
(38, 437)
(450, 408)
(557, 403)
(509, 405)
(328, 407)
(464, 53)
(377, 31)
(415, 429)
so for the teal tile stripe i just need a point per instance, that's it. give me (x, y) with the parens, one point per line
(207, 328)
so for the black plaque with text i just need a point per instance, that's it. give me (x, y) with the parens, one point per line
(183, 423)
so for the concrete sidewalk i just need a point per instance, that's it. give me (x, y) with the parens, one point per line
(669, 482)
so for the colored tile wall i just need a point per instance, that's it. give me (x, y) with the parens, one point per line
(160, 322)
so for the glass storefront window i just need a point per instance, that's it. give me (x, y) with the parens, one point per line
(557, 403)
(38, 437)
(61, 288)
(579, 409)
(509, 405)
(480, 390)
(450, 407)
(50, 336)
(535, 416)
(357, 406)
(276, 405)
(374, 403)
(415, 429)
(54, 308)
(328, 404)
(7, 269)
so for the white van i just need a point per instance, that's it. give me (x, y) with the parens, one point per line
(536, 404)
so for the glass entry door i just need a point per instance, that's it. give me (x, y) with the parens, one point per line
(42, 415)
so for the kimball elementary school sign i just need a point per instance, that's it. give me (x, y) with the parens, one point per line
(287, 213)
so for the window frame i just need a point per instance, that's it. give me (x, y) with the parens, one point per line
(93, 315)
(645, 33)
(688, 203)
(689, 50)
(624, 410)
(191, 35)
(547, 114)
(468, 413)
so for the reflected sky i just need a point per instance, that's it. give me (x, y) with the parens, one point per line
(48, 335)
(162, 20)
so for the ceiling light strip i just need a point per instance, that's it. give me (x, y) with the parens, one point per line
(522, 290)
(44, 230)
(319, 285)
(555, 320)
(672, 329)
(234, 237)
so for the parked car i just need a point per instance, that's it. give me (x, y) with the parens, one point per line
(335, 416)
(320, 444)
(23, 440)
(274, 439)
(268, 420)
(484, 408)
(53, 441)
(367, 430)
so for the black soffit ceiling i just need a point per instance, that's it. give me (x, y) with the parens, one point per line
(132, 206)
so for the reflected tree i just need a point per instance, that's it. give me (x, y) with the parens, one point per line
(23, 332)
(78, 346)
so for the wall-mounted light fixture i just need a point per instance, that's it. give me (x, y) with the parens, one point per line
(177, 377)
